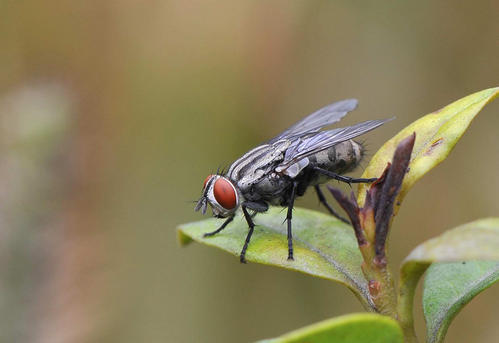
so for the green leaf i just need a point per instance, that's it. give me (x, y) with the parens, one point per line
(323, 246)
(450, 286)
(353, 328)
(436, 135)
(476, 241)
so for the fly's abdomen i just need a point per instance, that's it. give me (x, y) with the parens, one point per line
(340, 158)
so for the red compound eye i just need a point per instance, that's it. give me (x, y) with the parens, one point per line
(206, 180)
(225, 193)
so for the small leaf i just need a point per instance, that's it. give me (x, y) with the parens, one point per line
(436, 135)
(324, 246)
(476, 241)
(352, 328)
(450, 286)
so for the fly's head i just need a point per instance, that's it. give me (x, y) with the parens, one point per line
(221, 194)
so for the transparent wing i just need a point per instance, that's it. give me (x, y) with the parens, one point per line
(306, 146)
(314, 122)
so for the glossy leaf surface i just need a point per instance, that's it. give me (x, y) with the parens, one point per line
(353, 328)
(323, 246)
(436, 135)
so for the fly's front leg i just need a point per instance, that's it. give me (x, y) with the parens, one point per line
(289, 216)
(323, 201)
(343, 178)
(225, 223)
(251, 225)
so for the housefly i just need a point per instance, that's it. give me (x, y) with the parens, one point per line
(281, 169)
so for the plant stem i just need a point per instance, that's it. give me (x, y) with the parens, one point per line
(407, 288)
(389, 299)
(383, 292)
(381, 285)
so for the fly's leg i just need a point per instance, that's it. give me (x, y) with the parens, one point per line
(251, 226)
(323, 201)
(227, 221)
(346, 179)
(289, 216)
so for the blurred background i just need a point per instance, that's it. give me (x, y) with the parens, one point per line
(112, 113)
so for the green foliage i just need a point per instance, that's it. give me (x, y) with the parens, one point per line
(478, 240)
(474, 241)
(461, 262)
(324, 246)
(353, 328)
(448, 287)
(436, 135)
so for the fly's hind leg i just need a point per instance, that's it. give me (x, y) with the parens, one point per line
(225, 223)
(346, 179)
(323, 201)
(289, 216)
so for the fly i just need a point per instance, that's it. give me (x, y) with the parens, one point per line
(280, 170)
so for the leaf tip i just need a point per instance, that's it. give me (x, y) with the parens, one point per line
(182, 238)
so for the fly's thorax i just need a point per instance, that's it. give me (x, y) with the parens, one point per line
(222, 195)
(340, 158)
(256, 164)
